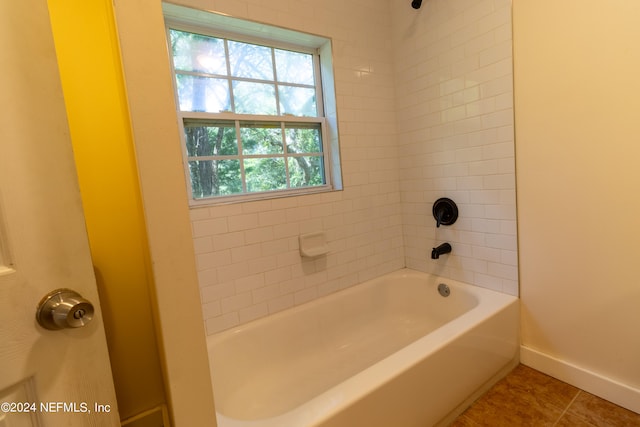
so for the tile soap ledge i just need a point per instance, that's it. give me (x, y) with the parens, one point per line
(313, 245)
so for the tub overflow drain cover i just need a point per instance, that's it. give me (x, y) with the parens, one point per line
(444, 290)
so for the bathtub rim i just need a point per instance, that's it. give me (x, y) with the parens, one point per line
(212, 339)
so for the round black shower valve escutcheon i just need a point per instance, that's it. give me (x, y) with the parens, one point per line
(445, 211)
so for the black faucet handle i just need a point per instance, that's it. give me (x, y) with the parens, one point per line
(439, 215)
(445, 211)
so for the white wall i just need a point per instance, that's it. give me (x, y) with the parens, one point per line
(453, 62)
(247, 253)
(577, 64)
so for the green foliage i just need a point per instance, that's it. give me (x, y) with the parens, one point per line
(213, 177)
(306, 171)
(303, 138)
(261, 138)
(265, 174)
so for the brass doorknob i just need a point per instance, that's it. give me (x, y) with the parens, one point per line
(64, 308)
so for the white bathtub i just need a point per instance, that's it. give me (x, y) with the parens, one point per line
(389, 352)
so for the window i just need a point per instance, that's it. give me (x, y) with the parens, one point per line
(252, 113)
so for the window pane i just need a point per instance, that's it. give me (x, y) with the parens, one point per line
(294, 67)
(195, 52)
(254, 98)
(299, 101)
(261, 138)
(202, 94)
(215, 178)
(210, 140)
(265, 174)
(250, 61)
(303, 138)
(306, 171)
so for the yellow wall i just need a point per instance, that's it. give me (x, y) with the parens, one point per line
(90, 68)
(577, 109)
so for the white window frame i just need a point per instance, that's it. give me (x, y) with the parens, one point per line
(224, 27)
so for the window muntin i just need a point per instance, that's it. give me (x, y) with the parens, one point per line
(251, 115)
(230, 157)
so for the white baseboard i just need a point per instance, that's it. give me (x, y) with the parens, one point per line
(601, 386)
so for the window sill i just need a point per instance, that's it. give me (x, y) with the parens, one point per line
(241, 198)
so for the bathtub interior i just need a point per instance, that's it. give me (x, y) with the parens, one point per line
(269, 367)
(254, 372)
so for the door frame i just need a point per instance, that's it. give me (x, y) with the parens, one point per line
(155, 132)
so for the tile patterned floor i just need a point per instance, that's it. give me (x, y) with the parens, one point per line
(527, 397)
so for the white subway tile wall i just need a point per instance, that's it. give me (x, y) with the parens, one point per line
(454, 100)
(424, 103)
(247, 254)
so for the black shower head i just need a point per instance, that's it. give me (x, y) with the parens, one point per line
(416, 4)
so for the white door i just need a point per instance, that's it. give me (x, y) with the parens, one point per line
(48, 378)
